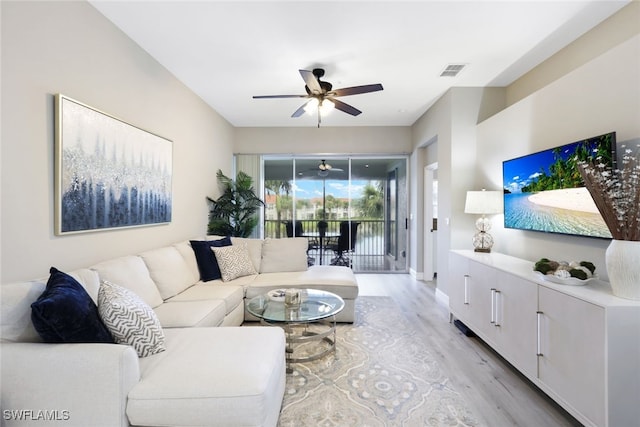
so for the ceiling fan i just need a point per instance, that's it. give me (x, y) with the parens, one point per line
(322, 94)
(324, 168)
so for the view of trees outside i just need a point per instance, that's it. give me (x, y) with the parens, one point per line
(367, 203)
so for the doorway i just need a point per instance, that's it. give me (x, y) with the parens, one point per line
(300, 191)
(430, 248)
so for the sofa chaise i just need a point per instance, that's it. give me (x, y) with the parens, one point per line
(213, 369)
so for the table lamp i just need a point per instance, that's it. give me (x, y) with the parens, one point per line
(483, 203)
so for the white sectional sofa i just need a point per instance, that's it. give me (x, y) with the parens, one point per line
(206, 375)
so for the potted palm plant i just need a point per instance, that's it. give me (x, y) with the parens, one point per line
(234, 212)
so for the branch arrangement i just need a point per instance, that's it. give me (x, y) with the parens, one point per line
(616, 193)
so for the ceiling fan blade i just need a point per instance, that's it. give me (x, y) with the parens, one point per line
(345, 107)
(279, 96)
(311, 81)
(355, 90)
(300, 111)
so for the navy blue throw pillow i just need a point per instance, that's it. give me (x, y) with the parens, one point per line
(207, 263)
(65, 313)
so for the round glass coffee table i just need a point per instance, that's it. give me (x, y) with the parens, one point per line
(308, 320)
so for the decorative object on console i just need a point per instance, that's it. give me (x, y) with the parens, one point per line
(109, 174)
(483, 203)
(566, 273)
(616, 193)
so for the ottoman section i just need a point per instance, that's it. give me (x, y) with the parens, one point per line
(212, 376)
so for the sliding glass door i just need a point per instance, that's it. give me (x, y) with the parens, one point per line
(348, 194)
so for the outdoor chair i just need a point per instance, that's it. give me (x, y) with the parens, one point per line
(299, 231)
(344, 248)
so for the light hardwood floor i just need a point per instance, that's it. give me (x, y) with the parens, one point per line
(498, 394)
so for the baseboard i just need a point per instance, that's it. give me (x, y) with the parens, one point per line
(442, 298)
(415, 274)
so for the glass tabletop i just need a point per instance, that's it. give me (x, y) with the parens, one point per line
(314, 305)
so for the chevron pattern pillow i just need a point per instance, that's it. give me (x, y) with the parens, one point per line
(129, 319)
(234, 261)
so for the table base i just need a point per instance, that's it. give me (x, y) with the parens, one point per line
(299, 334)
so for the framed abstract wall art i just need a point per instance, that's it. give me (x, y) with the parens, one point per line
(108, 173)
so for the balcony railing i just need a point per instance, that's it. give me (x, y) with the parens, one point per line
(369, 249)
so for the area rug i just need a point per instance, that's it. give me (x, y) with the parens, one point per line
(381, 374)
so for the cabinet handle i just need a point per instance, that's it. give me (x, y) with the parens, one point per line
(466, 289)
(498, 318)
(539, 332)
(493, 305)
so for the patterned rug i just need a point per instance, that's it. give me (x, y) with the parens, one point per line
(380, 375)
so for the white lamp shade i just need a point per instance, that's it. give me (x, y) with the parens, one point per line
(484, 202)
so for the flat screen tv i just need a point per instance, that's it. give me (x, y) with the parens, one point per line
(544, 191)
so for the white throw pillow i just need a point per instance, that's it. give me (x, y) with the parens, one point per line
(129, 319)
(280, 255)
(234, 261)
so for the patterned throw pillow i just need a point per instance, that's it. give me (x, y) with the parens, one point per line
(234, 262)
(129, 319)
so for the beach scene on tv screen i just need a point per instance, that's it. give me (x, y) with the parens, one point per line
(544, 191)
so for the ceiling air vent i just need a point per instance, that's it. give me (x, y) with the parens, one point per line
(452, 70)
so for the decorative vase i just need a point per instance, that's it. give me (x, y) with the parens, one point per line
(623, 266)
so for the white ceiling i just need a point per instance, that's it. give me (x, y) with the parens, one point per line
(226, 52)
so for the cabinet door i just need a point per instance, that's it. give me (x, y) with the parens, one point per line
(572, 360)
(481, 281)
(458, 287)
(516, 303)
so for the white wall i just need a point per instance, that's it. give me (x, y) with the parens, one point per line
(452, 123)
(341, 140)
(601, 96)
(68, 47)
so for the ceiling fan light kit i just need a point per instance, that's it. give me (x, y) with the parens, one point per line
(322, 96)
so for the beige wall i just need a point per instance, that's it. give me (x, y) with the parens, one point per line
(69, 48)
(618, 28)
(599, 97)
(342, 140)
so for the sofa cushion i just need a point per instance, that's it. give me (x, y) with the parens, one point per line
(336, 279)
(169, 270)
(214, 290)
(189, 256)
(284, 255)
(234, 262)
(187, 314)
(15, 310)
(132, 273)
(236, 378)
(65, 313)
(207, 263)
(255, 249)
(130, 320)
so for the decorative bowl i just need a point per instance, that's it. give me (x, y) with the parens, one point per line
(572, 281)
(276, 295)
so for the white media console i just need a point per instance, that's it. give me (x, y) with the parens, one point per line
(579, 344)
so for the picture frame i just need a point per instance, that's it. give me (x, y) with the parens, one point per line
(109, 174)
